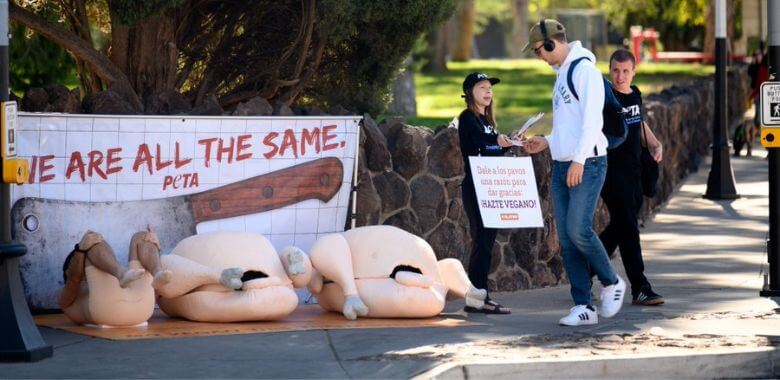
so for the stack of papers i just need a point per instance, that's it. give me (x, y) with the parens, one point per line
(520, 132)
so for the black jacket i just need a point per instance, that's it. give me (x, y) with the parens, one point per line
(477, 138)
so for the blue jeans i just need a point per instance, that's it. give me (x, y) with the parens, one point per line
(573, 208)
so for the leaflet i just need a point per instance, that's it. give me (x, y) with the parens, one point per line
(528, 124)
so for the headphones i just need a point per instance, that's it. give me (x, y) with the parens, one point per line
(549, 45)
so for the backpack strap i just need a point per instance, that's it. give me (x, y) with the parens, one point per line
(569, 74)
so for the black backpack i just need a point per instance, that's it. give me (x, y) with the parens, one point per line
(615, 127)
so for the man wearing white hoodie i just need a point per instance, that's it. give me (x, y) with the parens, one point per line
(579, 152)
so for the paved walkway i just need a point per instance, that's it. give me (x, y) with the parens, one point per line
(704, 256)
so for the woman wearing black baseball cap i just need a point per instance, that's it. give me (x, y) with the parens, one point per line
(479, 137)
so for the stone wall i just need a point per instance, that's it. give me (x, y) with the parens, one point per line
(410, 177)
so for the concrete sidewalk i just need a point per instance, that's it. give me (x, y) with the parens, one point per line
(704, 256)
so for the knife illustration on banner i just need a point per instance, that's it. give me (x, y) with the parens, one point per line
(49, 228)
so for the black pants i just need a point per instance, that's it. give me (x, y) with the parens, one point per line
(622, 194)
(482, 239)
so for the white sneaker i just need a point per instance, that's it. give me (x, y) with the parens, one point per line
(580, 315)
(612, 299)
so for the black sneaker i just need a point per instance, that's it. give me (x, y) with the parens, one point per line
(647, 297)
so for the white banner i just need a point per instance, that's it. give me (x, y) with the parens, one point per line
(506, 191)
(287, 178)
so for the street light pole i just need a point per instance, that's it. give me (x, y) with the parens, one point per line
(773, 242)
(20, 339)
(5, 189)
(720, 183)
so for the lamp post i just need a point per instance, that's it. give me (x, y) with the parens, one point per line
(20, 339)
(720, 183)
(772, 289)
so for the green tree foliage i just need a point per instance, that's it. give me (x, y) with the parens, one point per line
(690, 13)
(130, 11)
(487, 9)
(36, 61)
(540, 6)
(680, 22)
(326, 52)
(370, 41)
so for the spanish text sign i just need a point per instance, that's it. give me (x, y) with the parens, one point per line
(506, 191)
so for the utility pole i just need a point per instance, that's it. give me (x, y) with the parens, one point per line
(20, 339)
(720, 183)
(770, 135)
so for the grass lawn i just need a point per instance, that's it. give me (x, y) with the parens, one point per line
(525, 89)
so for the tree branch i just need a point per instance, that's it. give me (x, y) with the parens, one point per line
(76, 15)
(98, 63)
(240, 96)
(292, 93)
(307, 24)
(237, 97)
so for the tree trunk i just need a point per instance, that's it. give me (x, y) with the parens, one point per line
(147, 52)
(709, 35)
(731, 24)
(404, 101)
(90, 83)
(97, 62)
(436, 54)
(709, 29)
(519, 28)
(76, 15)
(466, 16)
(310, 51)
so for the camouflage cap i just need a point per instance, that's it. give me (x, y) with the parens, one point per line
(553, 28)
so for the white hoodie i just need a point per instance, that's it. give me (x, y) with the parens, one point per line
(577, 124)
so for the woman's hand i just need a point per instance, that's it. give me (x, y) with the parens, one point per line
(503, 141)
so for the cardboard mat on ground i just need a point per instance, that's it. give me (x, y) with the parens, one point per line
(306, 317)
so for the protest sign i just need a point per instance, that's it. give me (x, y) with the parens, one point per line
(506, 191)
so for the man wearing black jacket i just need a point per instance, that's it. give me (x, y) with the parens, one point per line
(622, 192)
